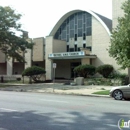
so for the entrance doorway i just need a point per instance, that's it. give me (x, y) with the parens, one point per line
(73, 65)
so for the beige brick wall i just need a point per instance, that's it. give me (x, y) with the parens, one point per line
(80, 42)
(71, 42)
(59, 46)
(38, 49)
(88, 40)
(116, 11)
(100, 44)
(2, 57)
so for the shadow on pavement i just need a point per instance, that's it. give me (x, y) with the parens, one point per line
(31, 120)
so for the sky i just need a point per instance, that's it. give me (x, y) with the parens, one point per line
(40, 16)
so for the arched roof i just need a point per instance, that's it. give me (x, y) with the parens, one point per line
(106, 23)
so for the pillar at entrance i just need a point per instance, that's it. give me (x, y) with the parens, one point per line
(28, 58)
(85, 61)
(9, 67)
(48, 62)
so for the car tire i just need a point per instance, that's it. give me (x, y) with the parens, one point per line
(118, 95)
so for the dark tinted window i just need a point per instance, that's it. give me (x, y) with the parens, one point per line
(89, 31)
(84, 45)
(77, 23)
(75, 47)
(67, 48)
(75, 38)
(80, 33)
(71, 33)
(71, 49)
(89, 48)
(80, 24)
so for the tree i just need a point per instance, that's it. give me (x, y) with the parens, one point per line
(34, 72)
(11, 44)
(120, 38)
(105, 70)
(85, 70)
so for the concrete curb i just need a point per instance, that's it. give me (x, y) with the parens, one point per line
(63, 93)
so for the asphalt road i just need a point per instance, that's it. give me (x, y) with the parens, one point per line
(32, 111)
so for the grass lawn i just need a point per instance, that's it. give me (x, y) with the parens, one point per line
(104, 92)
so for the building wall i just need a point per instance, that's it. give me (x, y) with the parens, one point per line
(2, 68)
(59, 46)
(116, 11)
(18, 68)
(38, 49)
(100, 44)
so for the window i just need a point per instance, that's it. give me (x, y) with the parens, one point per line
(89, 22)
(64, 26)
(75, 47)
(89, 48)
(84, 36)
(67, 48)
(75, 38)
(71, 33)
(80, 24)
(71, 49)
(80, 15)
(63, 36)
(71, 24)
(80, 33)
(89, 31)
(67, 38)
(78, 49)
(84, 45)
(76, 18)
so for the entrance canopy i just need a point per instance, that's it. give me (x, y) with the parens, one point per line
(71, 55)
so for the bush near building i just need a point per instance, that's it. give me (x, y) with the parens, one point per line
(34, 72)
(85, 70)
(105, 70)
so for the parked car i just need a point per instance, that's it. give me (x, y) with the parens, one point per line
(120, 92)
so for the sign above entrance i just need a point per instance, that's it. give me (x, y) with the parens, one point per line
(67, 54)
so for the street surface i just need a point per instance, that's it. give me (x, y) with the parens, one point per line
(40, 111)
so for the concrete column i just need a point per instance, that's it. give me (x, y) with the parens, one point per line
(9, 67)
(49, 62)
(28, 58)
(85, 61)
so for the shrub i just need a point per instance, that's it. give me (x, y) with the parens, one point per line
(105, 70)
(85, 70)
(34, 72)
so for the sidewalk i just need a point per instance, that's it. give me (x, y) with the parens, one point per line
(57, 88)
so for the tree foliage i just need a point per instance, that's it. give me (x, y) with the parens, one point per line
(105, 70)
(120, 38)
(34, 72)
(11, 44)
(85, 70)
